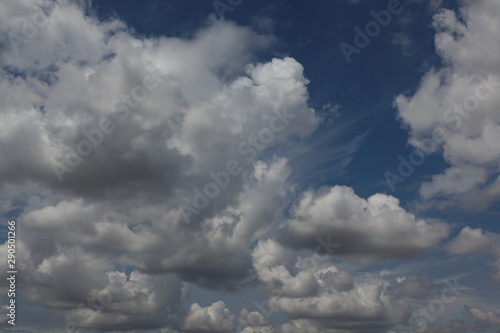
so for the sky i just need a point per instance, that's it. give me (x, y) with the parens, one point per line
(250, 166)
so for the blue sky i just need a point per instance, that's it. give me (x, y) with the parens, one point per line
(225, 166)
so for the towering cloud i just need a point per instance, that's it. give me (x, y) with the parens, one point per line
(455, 110)
(145, 153)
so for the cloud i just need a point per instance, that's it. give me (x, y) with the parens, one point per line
(367, 230)
(471, 241)
(475, 240)
(129, 301)
(485, 317)
(213, 318)
(109, 136)
(298, 326)
(455, 109)
(264, 329)
(405, 42)
(482, 320)
(253, 319)
(313, 290)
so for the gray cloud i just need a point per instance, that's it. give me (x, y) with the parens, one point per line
(373, 229)
(112, 134)
(104, 238)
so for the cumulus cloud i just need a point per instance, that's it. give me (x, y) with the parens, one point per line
(314, 291)
(367, 230)
(455, 109)
(144, 165)
(475, 240)
(128, 301)
(253, 318)
(471, 241)
(485, 317)
(213, 318)
(109, 138)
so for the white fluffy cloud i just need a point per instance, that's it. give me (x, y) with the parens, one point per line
(455, 109)
(213, 318)
(473, 241)
(372, 229)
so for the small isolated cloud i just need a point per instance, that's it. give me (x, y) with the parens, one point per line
(405, 42)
